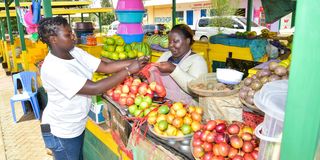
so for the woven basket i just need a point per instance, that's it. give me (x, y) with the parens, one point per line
(251, 107)
(209, 78)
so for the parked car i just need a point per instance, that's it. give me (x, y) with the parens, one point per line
(113, 27)
(204, 28)
(150, 29)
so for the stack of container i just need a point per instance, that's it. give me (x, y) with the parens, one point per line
(130, 14)
(271, 99)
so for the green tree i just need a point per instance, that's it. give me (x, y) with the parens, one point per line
(107, 18)
(222, 9)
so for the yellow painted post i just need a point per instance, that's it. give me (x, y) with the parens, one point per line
(6, 52)
(25, 63)
(14, 58)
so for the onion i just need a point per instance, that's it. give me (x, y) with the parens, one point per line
(280, 71)
(264, 80)
(264, 73)
(285, 77)
(272, 66)
(251, 93)
(245, 88)
(249, 100)
(243, 94)
(274, 78)
(256, 85)
(248, 81)
(254, 76)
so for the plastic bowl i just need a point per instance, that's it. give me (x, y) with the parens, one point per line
(229, 76)
(129, 38)
(130, 28)
(130, 5)
(130, 16)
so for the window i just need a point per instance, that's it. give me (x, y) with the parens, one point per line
(244, 21)
(203, 22)
(180, 15)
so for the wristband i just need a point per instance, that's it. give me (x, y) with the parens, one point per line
(129, 74)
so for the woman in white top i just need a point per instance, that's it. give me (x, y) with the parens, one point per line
(180, 65)
(66, 75)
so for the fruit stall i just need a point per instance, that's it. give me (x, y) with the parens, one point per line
(240, 115)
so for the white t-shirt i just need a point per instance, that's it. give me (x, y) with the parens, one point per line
(67, 111)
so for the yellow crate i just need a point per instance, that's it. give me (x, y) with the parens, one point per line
(219, 52)
(155, 55)
(93, 50)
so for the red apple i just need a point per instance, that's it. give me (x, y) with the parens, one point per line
(130, 101)
(142, 90)
(123, 101)
(237, 157)
(144, 84)
(204, 135)
(233, 129)
(116, 96)
(152, 86)
(233, 152)
(132, 95)
(197, 142)
(248, 156)
(207, 156)
(246, 136)
(217, 158)
(219, 121)
(211, 136)
(221, 137)
(236, 142)
(119, 87)
(197, 135)
(136, 82)
(221, 127)
(207, 146)
(118, 91)
(125, 89)
(255, 154)
(110, 92)
(224, 149)
(198, 151)
(215, 149)
(211, 125)
(247, 147)
(134, 89)
(160, 90)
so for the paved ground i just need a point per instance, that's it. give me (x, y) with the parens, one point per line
(20, 141)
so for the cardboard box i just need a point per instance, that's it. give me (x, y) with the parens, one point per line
(95, 113)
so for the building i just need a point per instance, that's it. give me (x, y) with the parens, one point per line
(189, 11)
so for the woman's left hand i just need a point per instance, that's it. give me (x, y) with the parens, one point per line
(165, 67)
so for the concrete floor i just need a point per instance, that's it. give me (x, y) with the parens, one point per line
(21, 140)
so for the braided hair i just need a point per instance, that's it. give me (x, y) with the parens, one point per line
(185, 30)
(49, 27)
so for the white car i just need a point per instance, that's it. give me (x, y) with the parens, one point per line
(204, 27)
(113, 27)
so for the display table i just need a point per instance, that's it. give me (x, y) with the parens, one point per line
(100, 144)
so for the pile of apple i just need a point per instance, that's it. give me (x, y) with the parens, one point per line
(142, 106)
(219, 141)
(126, 92)
(176, 120)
